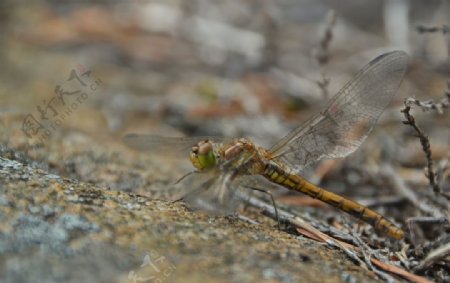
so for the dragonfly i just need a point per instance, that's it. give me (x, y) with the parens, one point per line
(224, 166)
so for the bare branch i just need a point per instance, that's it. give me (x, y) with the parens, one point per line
(323, 52)
(431, 105)
(424, 29)
(424, 141)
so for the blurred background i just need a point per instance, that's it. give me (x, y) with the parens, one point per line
(76, 76)
(209, 67)
(76, 72)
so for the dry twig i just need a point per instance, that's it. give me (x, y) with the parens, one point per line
(443, 169)
(434, 256)
(367, 254)
(323, 52)
(323, 85)
(424, 141)
(424, 29)
(431, 105)
(403, 189)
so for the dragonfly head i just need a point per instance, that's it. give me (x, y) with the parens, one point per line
(202, 155)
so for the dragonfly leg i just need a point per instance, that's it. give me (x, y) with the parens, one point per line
(178, 181)
(204, 187)
(273, 202)
(185, 175)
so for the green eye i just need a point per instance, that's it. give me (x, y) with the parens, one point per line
(207, 160)
(202, 155)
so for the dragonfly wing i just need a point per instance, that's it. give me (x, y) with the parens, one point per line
(218, 194)
(212, 191)
(349, 117)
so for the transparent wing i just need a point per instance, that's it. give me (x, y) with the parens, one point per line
(212, 191)
(349, 117)
(179, 146)
(219, 195)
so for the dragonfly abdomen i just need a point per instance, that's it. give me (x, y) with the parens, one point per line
(294, 182)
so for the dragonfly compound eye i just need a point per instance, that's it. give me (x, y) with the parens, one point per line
(202, 155)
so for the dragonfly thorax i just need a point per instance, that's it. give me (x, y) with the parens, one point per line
(244, 157)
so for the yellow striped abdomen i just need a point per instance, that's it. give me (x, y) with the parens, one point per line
(294, 182)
